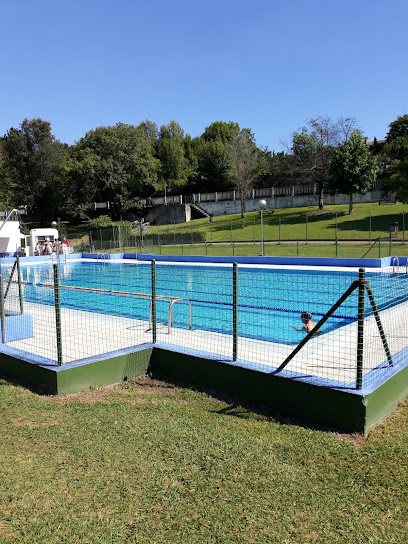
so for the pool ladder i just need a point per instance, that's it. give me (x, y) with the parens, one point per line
(103, 257)
(172, 301)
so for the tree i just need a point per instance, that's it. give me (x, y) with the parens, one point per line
(352, 169)
(245, 162)
(115, 164)
(220, 131)
(398, 128)
(32, 160)
(172, 131)
(173, 163)
(7, 189)
(151, 130)
(213, 165)
(313, 147)
(398, 181)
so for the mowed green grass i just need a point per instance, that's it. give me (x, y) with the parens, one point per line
(149, 462)
(320, 225)
(285, 249)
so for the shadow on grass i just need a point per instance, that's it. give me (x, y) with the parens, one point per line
(243, 409)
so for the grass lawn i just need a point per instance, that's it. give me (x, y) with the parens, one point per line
(149, 462)
(288, 249)
(320, 225)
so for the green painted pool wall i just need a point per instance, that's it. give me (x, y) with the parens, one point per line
(383, 401)
(42, 379)
(104, 372)
(74, 379)
(327, 406)
(335, 408)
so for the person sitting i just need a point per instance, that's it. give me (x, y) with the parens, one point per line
(308, 324)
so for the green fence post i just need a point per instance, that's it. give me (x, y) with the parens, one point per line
(297, 247)
(379, 247)
(234, 311)
(231, 231)
(389, 251)
(306, 229)
(57, 313)
(279, 231)
(20, 287)
(211, 233)
(369, 230)
(336, 246)
(360, 327)
(2, 312)
(379, 324)
(191, 232)
(182, 246)
(254, 231)
(174, 233)
(154, 320)
(403, 227)
(233, 248)
(335, 229)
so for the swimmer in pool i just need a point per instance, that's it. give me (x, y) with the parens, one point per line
(308, 324)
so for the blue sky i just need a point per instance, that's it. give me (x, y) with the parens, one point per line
(266, 65)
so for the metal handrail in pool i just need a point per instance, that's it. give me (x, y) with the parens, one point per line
(393, 265)
(170, 320)
(103, 256)
(172, 301)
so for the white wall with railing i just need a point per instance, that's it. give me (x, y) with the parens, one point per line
(290, 191)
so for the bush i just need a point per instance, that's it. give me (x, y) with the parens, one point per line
(100, 222)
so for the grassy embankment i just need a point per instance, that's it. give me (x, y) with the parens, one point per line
(232, 235)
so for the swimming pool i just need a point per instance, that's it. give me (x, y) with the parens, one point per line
(269, 300)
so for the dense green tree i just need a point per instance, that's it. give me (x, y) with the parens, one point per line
(114, 164)
(352, 169)
(7, 189)
(213, 165)
(151, 130)
(397, 182)
(172, 131)
(398, 128)
(32, 161)
(174, 166)
(221, 131)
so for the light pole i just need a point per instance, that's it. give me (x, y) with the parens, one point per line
(262, 206)
(54, 226)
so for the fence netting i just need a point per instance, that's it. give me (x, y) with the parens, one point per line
(254, 317)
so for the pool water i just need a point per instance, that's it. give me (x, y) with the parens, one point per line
(269, 300)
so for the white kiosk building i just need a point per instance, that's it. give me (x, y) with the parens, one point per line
(38, 236)
(10, 235)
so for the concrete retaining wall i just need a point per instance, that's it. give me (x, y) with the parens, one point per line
(227, 207)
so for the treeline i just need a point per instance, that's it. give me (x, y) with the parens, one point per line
(124, 163)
